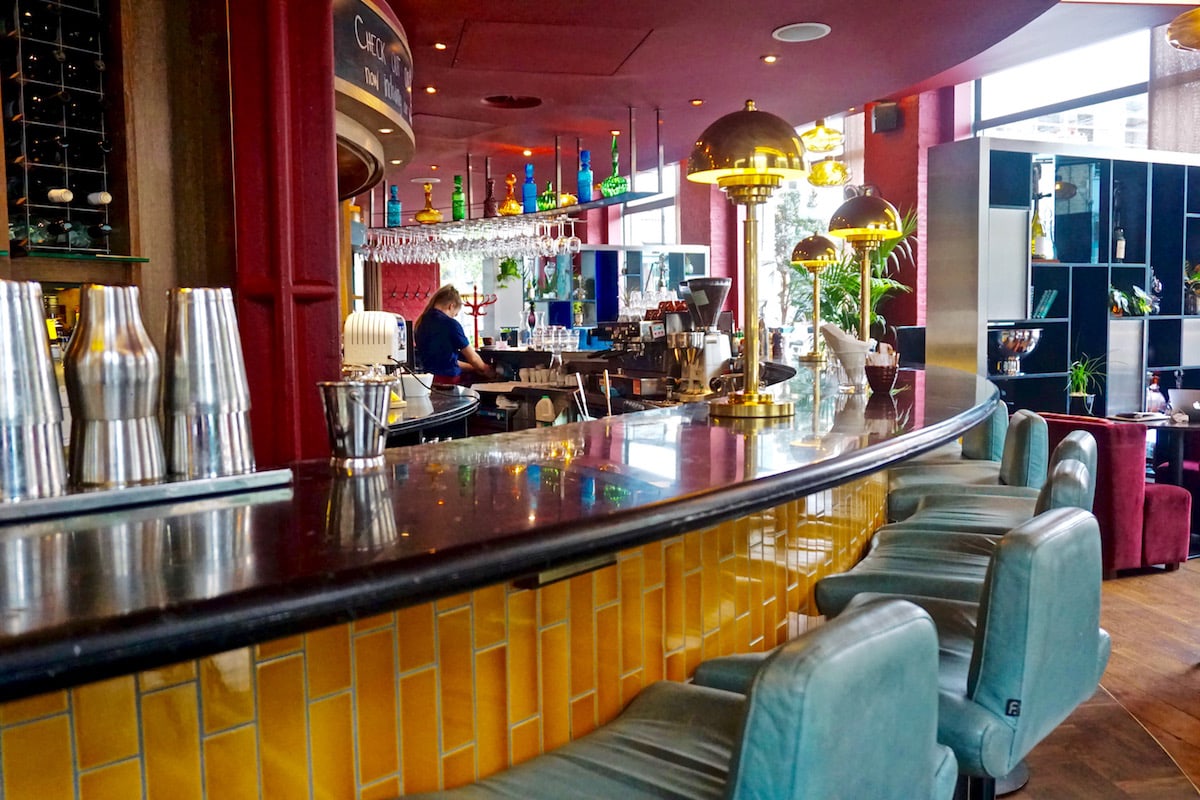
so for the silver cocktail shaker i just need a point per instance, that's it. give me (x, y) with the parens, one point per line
(112, 374)
(31, 457)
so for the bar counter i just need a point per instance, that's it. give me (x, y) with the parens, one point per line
(472, 538)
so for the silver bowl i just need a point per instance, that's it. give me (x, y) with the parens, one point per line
(1011, 345)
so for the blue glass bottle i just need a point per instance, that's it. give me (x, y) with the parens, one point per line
(393, 206)
(529, 191)
(584, 188)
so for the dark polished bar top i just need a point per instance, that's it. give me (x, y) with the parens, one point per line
(91, 597)
(442, 405)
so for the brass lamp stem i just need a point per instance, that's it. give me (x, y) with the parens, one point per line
(864, 295)
(750, 307)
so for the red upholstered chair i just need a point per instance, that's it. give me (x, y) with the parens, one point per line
(1191, 469)
(1140, 524)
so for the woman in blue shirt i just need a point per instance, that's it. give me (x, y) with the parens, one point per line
(441, 344)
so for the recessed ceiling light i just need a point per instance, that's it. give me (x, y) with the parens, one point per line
(439, 45)
(396, 161)
(801, 32)
(386, 130)
(615, 132)
(769, 59)
(696, 101)
(430, 90)
(527, 152)
(433, 166)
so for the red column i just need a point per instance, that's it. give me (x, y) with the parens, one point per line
(707, 217)
(896, 162)
(285, 196)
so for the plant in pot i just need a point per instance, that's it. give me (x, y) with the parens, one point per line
(1083, 382)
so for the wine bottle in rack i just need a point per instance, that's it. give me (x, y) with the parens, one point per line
(1118, 224)
(100, 198)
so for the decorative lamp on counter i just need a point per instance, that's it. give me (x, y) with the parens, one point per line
(1184, 31)
(428, 215)
(748, 153)
(865, 221)
(815, 253)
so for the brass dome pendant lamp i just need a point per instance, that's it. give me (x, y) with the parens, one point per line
(815, 253)
(1184, 31)
(748, 153)
(865, 221)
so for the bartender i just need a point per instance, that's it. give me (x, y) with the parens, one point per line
(442, 345)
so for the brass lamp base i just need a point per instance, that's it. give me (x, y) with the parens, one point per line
(750, 405)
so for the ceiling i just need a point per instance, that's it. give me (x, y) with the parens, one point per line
(590, 62)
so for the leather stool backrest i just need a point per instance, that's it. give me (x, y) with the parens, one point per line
(846, 710)
(986, 440)
(1026, 451)
(1072, 488)
(1039, 650)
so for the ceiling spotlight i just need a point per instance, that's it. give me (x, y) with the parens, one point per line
(801, 32)
(396, 161)
(696, 101)
(386, 130)
(615, 132)
(527, 152)
(430, 90)
(769, 59)
(439, 45)
(433, 166)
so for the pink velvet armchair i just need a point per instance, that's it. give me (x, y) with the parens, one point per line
(1140, 524)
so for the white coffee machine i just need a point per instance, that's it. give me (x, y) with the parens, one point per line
(374, 338)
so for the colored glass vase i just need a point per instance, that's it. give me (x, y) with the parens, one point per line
(614, 184)
(511, 205)
(428, 215)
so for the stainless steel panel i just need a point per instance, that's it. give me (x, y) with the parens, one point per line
(1124, 388)
(1008, 264)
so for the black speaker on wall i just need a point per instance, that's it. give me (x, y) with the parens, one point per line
(885, 117)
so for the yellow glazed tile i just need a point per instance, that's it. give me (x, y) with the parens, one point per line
(115, 782)
(553, 603)
(371, 623)
(522, 656)
(454, 657)
(652, 558)
(694, 611)
(36, 760)
(106, 724)
(631, 614)
(556, 721)
(654, 635)
(414, 627)
(583, 654)
(384, 790)
(453, 601)
(327, 652)
(171, 733)
(231, 764)
(458, 769)
(526, 741)
(608, 663)
(583, 715)
(677, 667)
(332, 748)
(161, 678)
(489, 616)
(375, 704)
(606, 585)
(711, 645)
(710, 593)
(710, 547)
(418, 710)
(28, 708)
(491, 725)
(279, 647)
(227, 689)
(726, 533)
(631, 685)
(283, 728)
(674, 597)
(691, 551)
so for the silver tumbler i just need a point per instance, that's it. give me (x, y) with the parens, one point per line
(206, 398)
(112, 375)
(31, 456)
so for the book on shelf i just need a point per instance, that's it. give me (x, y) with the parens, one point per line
(1044, 302)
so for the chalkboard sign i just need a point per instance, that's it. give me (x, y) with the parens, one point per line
(371, 52)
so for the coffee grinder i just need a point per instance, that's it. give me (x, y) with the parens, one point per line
(705, 298)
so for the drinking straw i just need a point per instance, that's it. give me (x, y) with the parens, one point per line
(607, 393)
(582, 395)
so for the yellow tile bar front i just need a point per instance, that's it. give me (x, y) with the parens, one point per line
(441, 693)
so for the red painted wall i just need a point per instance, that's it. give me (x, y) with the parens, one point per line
(407, 287)
(707, 217)
(285, 190)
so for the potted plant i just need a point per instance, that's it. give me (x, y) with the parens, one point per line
(1083, 382)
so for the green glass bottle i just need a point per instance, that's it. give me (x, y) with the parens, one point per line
(614, 184)
(458, 200)
(546, 200)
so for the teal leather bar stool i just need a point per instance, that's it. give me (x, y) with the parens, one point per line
(1024, 463)
(848, 710)
(984, 442)
(938, 563)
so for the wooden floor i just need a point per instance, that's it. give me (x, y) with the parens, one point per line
(1139, 737)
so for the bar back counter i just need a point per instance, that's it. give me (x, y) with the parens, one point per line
(478, 602)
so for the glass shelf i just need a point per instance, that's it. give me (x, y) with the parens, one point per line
(604, 202)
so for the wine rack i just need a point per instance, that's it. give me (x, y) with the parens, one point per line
(57, 138)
